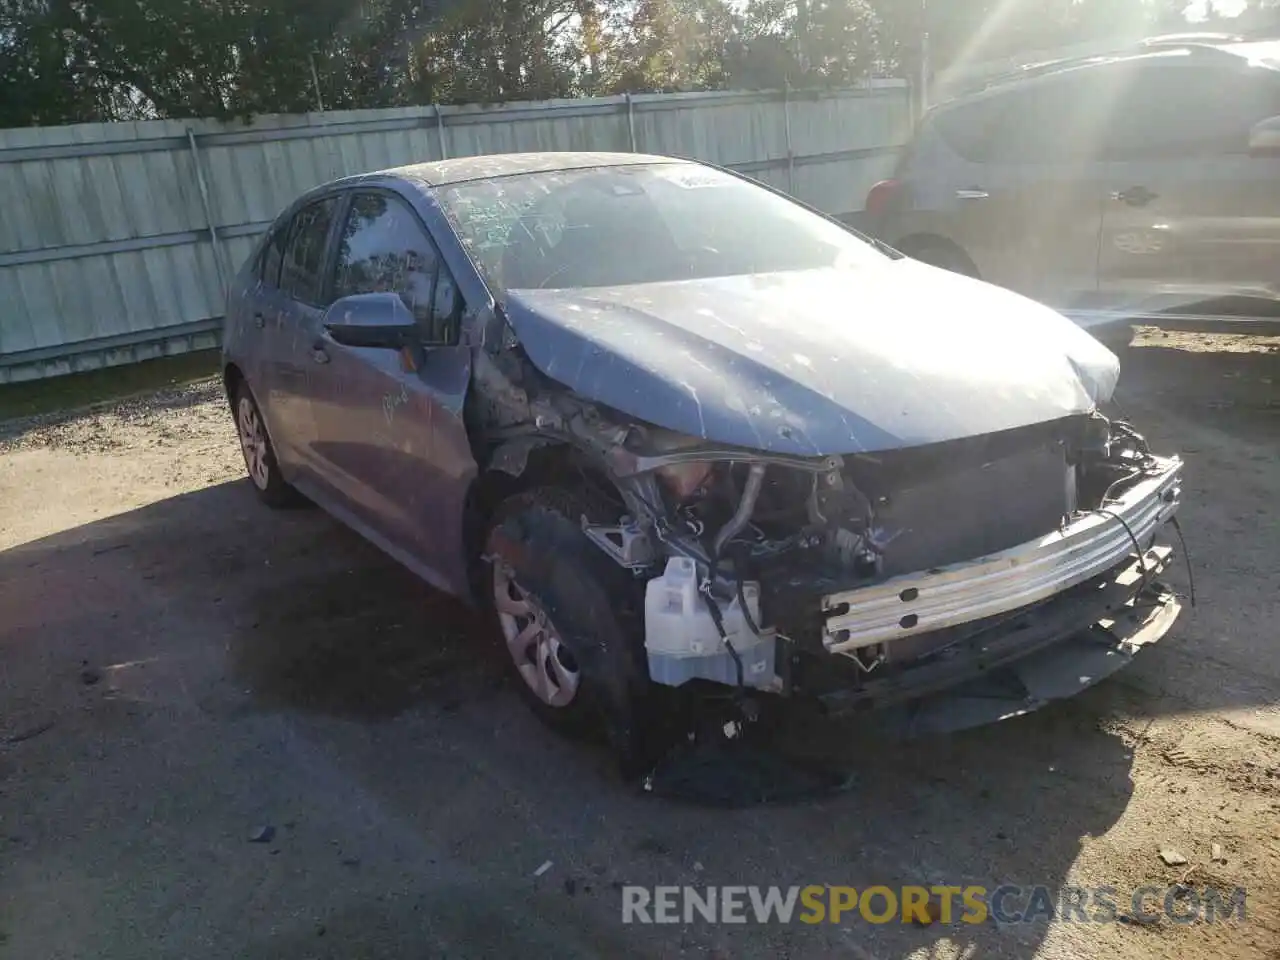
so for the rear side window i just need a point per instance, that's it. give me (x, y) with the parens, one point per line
(1166, 108)
(1062, 119)
(968, 128)
(303, 262)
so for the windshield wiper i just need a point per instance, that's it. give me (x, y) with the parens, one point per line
(890, 252)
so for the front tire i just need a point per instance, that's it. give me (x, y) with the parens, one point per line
(568, 618)
(259, 454)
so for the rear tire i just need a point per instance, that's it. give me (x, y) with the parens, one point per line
(940, 253)
(259, 454)
(567, 617)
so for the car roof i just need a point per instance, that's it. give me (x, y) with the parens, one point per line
(1265, 52)
(458, 170)
(438, 173)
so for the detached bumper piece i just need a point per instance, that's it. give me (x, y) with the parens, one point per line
(963, 593)
(1023, 661)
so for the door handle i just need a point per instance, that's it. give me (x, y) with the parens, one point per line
(318, 353)
(1134, 196)
(259, 321)
(972, 193)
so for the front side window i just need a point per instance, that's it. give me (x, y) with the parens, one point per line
(384, 249)
(642, 223)
(1173, 110)
(303, 263)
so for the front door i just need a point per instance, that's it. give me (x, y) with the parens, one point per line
(390, 441)
(1191, 215)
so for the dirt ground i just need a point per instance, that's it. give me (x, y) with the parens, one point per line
(180, 667)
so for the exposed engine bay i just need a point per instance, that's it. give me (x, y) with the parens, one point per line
(786, 573)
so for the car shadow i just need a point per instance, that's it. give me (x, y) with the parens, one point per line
(1223, 379)
(1213, 396)
(314, 623)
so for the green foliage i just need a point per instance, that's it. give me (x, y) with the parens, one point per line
(64, 61)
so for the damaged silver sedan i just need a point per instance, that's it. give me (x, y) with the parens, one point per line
(677, 432)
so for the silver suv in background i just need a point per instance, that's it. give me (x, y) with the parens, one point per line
(1110, 187)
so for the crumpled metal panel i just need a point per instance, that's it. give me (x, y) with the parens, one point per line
(1058, 672)
(1005, 581)
(880, 356)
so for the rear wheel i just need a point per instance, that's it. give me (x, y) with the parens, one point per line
(259, 455)
(568, 618)
(941, 253)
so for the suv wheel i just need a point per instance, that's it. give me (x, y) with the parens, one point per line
(567, 617)
(940, 253)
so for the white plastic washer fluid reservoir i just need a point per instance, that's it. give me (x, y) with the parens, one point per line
(681, 638)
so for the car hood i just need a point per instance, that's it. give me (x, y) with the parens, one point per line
(817, 362)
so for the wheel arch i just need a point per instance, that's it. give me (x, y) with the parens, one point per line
(232, 377)
(916, 244)
(550, 463)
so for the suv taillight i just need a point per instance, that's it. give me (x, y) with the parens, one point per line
(881, 197)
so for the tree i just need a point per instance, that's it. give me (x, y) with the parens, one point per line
(79, 60)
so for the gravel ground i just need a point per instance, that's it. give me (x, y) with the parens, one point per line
(180, 667)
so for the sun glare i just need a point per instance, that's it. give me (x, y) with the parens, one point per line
(1200, 10)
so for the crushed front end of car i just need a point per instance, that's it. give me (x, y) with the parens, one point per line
(1000, 571)
(930, 522)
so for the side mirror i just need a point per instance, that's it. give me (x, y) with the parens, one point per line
(372, 320)
(1264, 138)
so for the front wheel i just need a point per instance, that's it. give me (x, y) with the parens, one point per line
(569, 620)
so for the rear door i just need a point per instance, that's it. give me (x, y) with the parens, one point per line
(1052, 181)
(260, 319)
(955, 186)
(299, 303)
(1015, 180)
(1190, 214)
(389, 434)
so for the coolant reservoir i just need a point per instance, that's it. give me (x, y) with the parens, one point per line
(681, 638)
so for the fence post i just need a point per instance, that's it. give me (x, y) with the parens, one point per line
(444, 147)
(786, 121)
(218, 260)
(631, 123)
(315, 82)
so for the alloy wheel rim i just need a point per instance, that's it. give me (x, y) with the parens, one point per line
(253, 443)
(544, 661)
